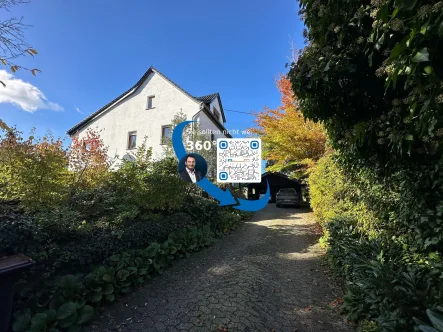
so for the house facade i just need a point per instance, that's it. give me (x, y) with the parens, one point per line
(146, 109)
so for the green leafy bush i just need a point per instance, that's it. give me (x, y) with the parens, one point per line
(389, 278)
(32, 170)
(17, 232)
(74, 225)
(150, 185)
(368, 326)
(372, 75)
(70, 302)
(436, 318)
(383, 282)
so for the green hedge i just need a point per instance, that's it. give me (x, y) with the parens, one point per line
(388, 279)
(68, 302)
(71, 301)
(384, 282)
(68, 244)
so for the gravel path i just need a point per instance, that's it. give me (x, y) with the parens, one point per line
(265, 276)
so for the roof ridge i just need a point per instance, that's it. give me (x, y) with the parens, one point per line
(210, 94)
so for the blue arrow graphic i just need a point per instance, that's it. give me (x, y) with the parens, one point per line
(256, 205)
(225, 197)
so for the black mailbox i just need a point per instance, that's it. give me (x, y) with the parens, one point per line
(10, 269)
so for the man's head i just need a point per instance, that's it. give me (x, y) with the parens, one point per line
(190, 162)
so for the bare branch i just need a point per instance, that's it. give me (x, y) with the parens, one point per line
(12, 40)
(7, 4)
(293, 57)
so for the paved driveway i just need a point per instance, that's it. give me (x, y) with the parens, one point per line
(265, 276)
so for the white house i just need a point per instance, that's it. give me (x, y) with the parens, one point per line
(147, 109)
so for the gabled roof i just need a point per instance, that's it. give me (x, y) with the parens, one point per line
(209, 98)
(133, 89)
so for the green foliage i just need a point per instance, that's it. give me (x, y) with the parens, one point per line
(382, 58)
(372, 75)
(333, 195)
(436, 318)
(368, 326)
(32, 170)
(35, 170)
(147, 184)
(17, 232)
(70, 302)
(389, 277)
(83, 215)
(382, 283)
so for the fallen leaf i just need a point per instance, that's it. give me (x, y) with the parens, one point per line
(337, 302)
(308, 308)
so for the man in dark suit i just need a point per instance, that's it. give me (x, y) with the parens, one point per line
(189, 173)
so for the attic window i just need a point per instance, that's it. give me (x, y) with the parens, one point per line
(216, 113)
(151, 102)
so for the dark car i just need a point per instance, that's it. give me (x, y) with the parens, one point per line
(287, 196)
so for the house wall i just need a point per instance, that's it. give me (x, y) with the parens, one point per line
(207, 123)
(215, 104)
(132, 114)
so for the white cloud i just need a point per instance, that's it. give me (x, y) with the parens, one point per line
(78, 110)
(23, 94)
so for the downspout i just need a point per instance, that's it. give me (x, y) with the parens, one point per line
(193, 119)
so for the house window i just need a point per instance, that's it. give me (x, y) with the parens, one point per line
(216, 113)
(132, 140)
(151, 102)
(166, 134)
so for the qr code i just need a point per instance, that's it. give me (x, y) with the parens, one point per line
(239, 160)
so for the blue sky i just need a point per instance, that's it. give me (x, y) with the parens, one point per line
(92, 51)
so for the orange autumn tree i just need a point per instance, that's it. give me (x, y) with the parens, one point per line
(88, 161)
(290, 143)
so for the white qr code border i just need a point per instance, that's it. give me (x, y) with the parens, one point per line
(239, 160)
